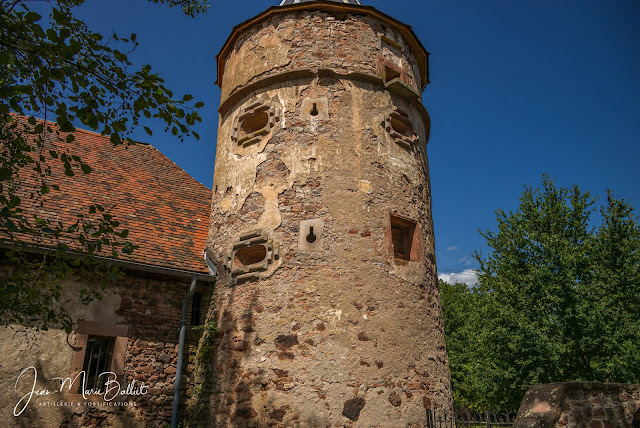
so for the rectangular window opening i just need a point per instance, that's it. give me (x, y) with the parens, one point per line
(97, 360)
(402, 237)
(196, 307)
(390, 73)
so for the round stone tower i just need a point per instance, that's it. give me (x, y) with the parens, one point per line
(326, 301)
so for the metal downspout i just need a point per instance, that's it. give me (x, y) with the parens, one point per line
(213, 272)
(183, 331)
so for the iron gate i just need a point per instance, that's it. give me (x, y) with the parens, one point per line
(465, 418)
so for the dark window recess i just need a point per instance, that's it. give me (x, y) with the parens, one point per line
(97, 360)
(254, 123)
(250, 255)
(196, 307)
(390, 74)
(402, 232)
(401, 124)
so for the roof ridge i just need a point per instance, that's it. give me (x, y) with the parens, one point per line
(99, 135)
(177, 166)
(86, 131)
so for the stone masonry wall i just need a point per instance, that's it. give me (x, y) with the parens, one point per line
(150, 308)
(334, 331)
(580, 404)
(316, 40)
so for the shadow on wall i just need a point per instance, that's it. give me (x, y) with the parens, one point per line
(226, 393)
(223, 392)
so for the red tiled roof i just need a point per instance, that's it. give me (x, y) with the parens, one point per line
(165, 209)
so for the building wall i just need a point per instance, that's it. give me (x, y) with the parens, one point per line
(150, 309)
(336, 332)
(580, 404)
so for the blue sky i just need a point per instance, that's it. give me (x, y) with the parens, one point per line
(519, 88)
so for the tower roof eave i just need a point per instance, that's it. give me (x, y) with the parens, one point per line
(288, 2)
(422, 55)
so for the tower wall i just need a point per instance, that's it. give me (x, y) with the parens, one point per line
(309, 39)
(326, 301)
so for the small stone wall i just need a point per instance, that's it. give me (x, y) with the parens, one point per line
(580, 404)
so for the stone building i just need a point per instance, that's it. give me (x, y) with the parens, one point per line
(133, 331)
(326, 302)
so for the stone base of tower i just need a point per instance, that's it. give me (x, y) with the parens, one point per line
(287, 357)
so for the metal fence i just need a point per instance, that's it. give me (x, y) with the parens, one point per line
(465, 418)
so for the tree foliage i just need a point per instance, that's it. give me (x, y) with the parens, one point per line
(558, 299)
(55, 68)
(459, 307)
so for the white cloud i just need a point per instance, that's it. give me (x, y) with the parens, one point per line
(467, 261)
(467, 276)
(452, 248)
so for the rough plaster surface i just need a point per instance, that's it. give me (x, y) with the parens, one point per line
(307, 40)
(343, 335)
